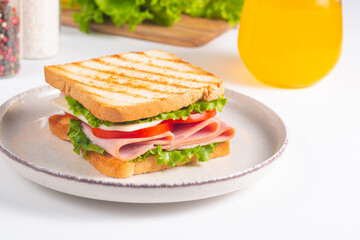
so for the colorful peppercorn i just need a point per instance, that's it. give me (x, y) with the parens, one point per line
(9, 39)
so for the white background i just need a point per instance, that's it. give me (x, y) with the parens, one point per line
(312, 193)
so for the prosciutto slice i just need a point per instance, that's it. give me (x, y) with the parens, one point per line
(185, 135)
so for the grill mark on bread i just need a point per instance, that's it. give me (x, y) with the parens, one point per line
(173, 60)
(154, 73)
(149, 72)
(125, 59)
(140, 86)
(157, 66)
(111, 80)
(76, 81)
(147, 80)
(109, 89)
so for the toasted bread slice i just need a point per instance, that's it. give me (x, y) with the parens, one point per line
(135, 85)
(112, 167)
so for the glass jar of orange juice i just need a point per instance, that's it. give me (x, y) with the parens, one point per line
(290, 43)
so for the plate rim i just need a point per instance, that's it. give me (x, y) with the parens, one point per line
(10, 102)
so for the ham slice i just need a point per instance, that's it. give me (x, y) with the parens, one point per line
(223, 134)
(193, 133)
(185, 135)
(127, 149)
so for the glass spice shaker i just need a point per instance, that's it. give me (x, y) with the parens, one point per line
(9, 37)
(40, 28)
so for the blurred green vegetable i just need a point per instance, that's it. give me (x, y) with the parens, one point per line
(162, 12)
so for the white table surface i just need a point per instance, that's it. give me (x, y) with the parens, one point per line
(312, 193)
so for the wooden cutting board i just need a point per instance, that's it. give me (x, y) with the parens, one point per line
(189, 32)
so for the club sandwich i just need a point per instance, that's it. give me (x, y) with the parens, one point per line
(139, 112)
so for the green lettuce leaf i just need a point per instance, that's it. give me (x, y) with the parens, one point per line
(89, 12)
(229, 10)
(78, 109)
(174, 157)
(184, 113)
(80, 141)
(165, 12)
(124, 11)
(162, 12)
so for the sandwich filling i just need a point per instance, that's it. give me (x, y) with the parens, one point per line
(175, 136)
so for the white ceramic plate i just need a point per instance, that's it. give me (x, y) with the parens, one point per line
(30, 148)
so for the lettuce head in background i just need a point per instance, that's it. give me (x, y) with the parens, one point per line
(161, 12)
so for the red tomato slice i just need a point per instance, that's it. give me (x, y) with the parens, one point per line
(197, 117)
(141, 133)
(71, 116)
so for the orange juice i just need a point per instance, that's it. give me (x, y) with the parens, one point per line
(290, 43)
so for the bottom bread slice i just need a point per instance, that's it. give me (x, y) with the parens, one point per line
(113, 167)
